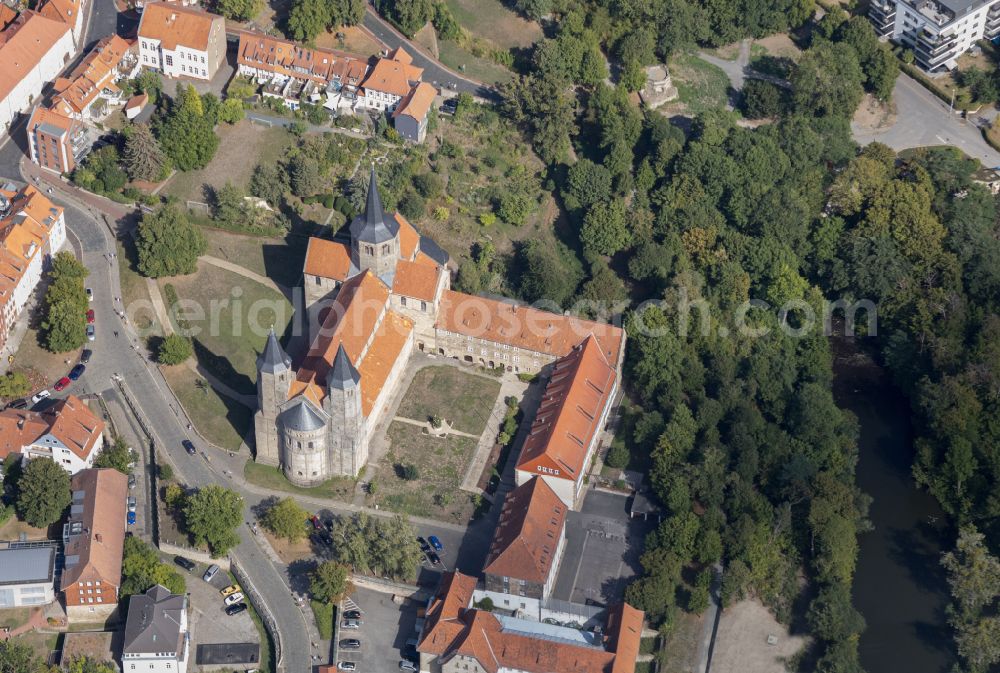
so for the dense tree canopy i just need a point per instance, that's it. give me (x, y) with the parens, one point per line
(142, 569)
(185, 127)
(368, 544)
(286, 519)
(65, 318)
(212, 515)
(167, 243)
(42, 492)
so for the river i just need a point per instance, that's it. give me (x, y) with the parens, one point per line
(899, 585)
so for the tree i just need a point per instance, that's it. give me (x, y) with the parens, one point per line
(761, 99)
(605, 228)
(228, 205)
(167, 243)
(306, 175)
(115, 455)
(586, 184)
(149, 83)
(514, 207)
(286, 519)
(308, 18)
(186, 132)
(329, 581)
(231, 110)
(212, 515)
(545, 274)
(142, 569)
(14, 384)
(42, 492)
(269, 182)
(412, 205)
(65, 319)
(88, 665)
(385, 547)
(17, 656)
(144, 159)
(832, 617)
(238, 10)
(174, 349)
(827, 81)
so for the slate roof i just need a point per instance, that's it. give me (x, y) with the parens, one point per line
(375, 225)
(273, 359)
(154, 622)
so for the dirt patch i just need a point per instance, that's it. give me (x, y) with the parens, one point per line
(875, 115)
(780, 44)
(427, 38)
(492, 20)
(354, 40)
(741, 645)
(289, 552)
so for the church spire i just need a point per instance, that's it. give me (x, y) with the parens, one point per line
(374, 225)
(274, 358)
(342, 374)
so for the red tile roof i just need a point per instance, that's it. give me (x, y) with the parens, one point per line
(95, 73)
(569, 415)
(173, 24)
(417, 102)
(289, 59)
(61, 10)
(417, 280)
(527, 534)
(23, 44)
(100, 545)
(394, 74)
(328, 259)
(68, 420)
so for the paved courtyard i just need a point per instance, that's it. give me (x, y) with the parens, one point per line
(387, 626)
(208, 619)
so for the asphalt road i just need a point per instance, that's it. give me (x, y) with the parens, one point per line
(924, 120)
(433, 71)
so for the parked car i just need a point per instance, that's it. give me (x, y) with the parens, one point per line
(230, 590)
(130, 519)
(233, 599)
(236, 609)
(350, 624)
(39, 396)
(433, 558)
(407, 665)
(76, 372)
(210, 573)
(352, 614)
(131, 481)
(347, 666)
(350, 644)
(62, 384)
(185, 563)
(189, 446)
(449, 106)
(131, 503)
(90, 316)
(86, 355)
(90, 333)
(18, 404)
(435, 542)
(90, 294)
(424, 547)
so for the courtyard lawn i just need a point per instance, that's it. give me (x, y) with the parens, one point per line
(492, 20)
(135, 294)
(701, 86)
(220, 420)
(236, 313)
(440, 463)
(279, 259)
(271, 478)
(356, 41)
(242, 147)
(463, 399)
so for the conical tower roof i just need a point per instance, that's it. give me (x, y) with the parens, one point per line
(274, 359)
(303, 418)
(374, 225)
(342, 374)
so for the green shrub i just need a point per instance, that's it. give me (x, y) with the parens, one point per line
(323, 613)
(617, 457)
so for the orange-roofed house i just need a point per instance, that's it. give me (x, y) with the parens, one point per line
(379, 297)
(90, 89)
(33, 50)
(527, 547)
(456, 638)
(69, 12)
(410, 117)
(56, 141)
(390, 80)
(68, 432)
(93, 542)
(32, 228)
(181, 41)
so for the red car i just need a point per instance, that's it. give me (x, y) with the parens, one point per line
(90, 316)
(62, 384)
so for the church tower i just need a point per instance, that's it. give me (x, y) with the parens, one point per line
(348, 436)
(274, 374)
(375, 237)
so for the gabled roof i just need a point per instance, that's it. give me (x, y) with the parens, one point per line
(569, 415)
(328, 259)
(23, 44)
(137, 101)
(283, 57)
(94, 74)
(173, 24)
(393, 74)
(375, 225)
(417, 102)
(415, 279)
(527, 534)
(51, 122)
(154, 622)
(381, 357)
(95, 553)
(68, 420)
(66, 11)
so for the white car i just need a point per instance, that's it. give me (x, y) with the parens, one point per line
(39, 396)
(131, 503)
(232, 599)
(90, 294)
(347, 666)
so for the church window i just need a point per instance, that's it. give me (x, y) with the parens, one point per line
(386, 249)
(369, 249)
(298, 445)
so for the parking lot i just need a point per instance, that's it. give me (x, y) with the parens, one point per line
(209, 622)
(603, 546)
(386, 628)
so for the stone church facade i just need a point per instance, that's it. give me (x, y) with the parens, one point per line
(376, 300)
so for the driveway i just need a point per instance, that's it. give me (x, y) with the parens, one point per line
(924, 120)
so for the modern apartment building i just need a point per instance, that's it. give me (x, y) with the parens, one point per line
(181, 41)
(55, 141)
(938, 31)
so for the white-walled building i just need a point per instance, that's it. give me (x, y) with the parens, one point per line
(27, 575)
(390, 80)
(67, 432)
(181, 41)
(69, 12)
(156, 633)
(938, 31)
(33, 50)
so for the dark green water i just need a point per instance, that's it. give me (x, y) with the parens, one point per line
(899, 586)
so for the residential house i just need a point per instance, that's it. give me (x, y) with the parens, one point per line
(27, 574)
(156, 633)
(456, 638)
(33, 50)
(55, 141)
(390, 80)
(69, 12)
(67, 432)
(569, 422)
(93, 542)
(410, 117)
(135, 105)
(938, 31)
(181, 41)
(31, 230)
(527, 547)
(92, 83)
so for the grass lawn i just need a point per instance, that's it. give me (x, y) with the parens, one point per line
(242, 147)
(462, 61)
(323, 613)
(222, 421)
(11, 618)
(356, 41)
(236, 314)
(41, 643)
(492, 20)
(40, 366)
(700, 85)
(13, 527)
(441, 463)
(464, 400)
(680, 646)
(338, 488)
(279, 259)
(135, 294)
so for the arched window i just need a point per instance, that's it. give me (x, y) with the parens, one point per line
(386, 248)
